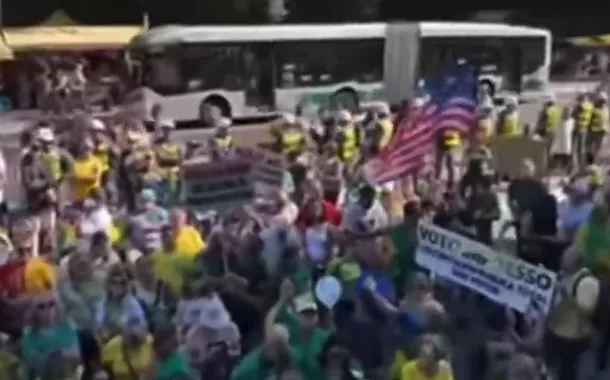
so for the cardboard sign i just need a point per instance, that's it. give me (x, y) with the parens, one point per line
(218, 184)
(508, 154)
(502, 278)
(268, 166)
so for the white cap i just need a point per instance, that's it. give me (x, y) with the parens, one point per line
(46, 135)
(170, 124)
(602, 96)
(418, 102)
(97, 125)
(550, 97)
(289, 118)
(344, 116)
(224, 122)
(512, 101)
(486, 104)
(383, 108)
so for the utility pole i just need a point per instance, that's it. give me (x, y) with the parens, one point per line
(145, 14)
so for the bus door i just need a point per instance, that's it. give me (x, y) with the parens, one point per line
(259, 91)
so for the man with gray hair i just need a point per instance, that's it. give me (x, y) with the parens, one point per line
(274, 357)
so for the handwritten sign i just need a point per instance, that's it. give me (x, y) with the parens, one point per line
(218, 184)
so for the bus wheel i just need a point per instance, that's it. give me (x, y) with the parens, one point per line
(213, 108)
(488, 87)
(346, 98)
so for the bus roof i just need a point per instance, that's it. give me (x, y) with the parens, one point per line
(177, 34)
(180, 34)
(473, 29)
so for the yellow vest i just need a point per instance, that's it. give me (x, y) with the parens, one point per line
(387, 131)
(583, 116)
(451, 138)
(168, 151)
(510, 124)
(291, 141)
(223, 142)
(349, 148)
(599, 119)
(102, 152)
(53, 159)
(551, 118)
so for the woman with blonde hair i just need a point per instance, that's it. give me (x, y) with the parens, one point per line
(119, 302)
(49, 346)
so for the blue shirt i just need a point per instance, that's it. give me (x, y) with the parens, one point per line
(573, 216)
(382, 281)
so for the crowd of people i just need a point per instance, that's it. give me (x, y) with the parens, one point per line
(63, 83)
(107, 274)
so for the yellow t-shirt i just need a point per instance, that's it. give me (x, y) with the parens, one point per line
(141, 358)
(189, 241)
(87, 176)
(171, 267)
(411, 371)
(39, 276)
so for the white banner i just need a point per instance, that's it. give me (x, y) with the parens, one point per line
(498, 276)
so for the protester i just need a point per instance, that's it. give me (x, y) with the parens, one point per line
(294, 263)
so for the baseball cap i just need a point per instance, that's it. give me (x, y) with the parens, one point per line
(305, 302)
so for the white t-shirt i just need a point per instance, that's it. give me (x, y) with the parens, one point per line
(96, 221)
(287, 216)
(357, 218)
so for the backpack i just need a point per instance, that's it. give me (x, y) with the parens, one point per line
(601, 312)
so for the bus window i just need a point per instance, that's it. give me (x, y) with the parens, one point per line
(162, 75)
(329, 62)
(484, 53)
(206, 67)
(533, 52)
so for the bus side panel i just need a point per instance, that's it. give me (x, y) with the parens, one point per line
(401, 62)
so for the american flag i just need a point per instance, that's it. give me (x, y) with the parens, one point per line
(450, 105)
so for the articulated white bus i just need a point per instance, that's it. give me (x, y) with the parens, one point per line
(250, 71)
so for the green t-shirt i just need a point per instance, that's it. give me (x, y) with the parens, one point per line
(404, 240)
(175, 365)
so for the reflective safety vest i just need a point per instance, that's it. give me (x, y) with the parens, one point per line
(349, 147)
(551, 117)
(452, 138)
(223, 142)
(292, 141)
(168, 151)
(53, 160)
(102, 152)
(387, 131)
(510, 125)
(599, 119)
(484, 128)
(583, 116)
